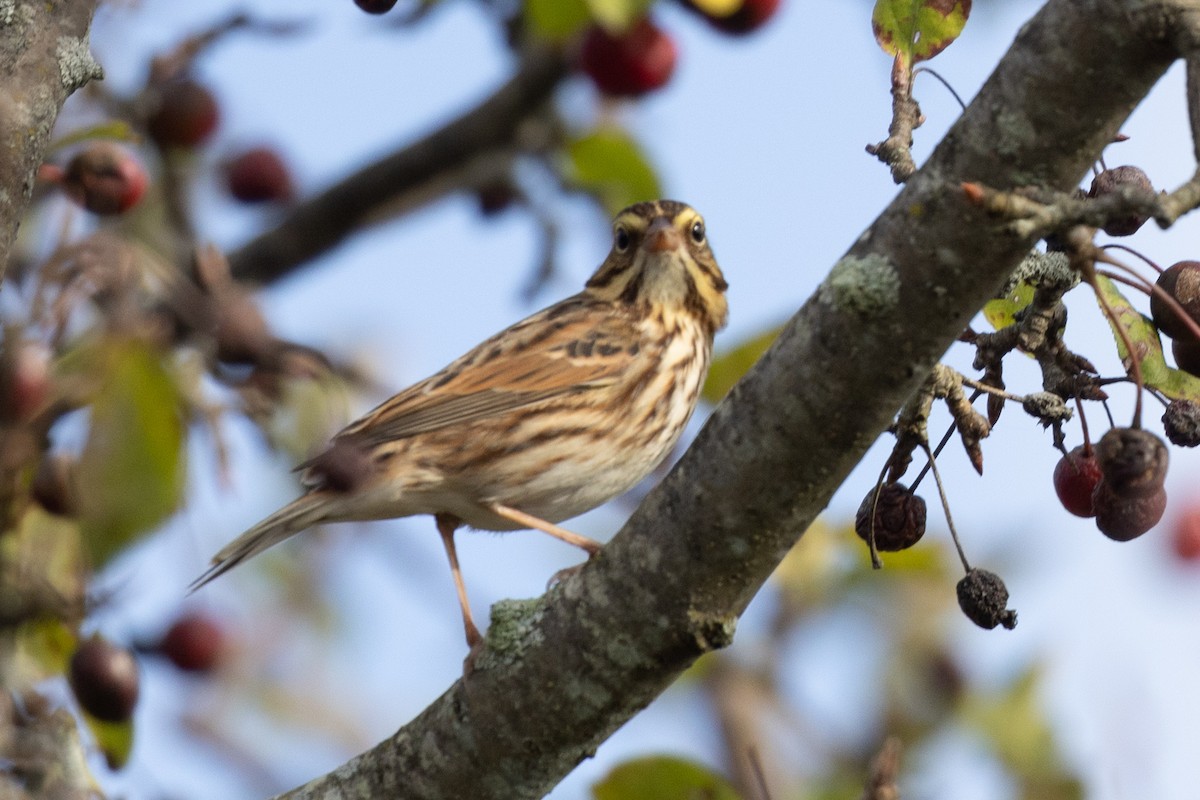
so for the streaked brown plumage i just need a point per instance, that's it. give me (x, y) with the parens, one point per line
(543, 421)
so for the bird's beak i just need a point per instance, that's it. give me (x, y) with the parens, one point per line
(662, 236)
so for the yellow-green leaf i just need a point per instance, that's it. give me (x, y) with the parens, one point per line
(117, 129)
(1001, 312)
(663, 778)
(557, 20)
(609, 164)
(115, 739)
(729, 366)
(618, 15)
(916, 30)
(44, 648)
(131, 470)
(1156, 374)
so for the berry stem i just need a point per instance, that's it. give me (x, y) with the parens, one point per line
(944, 82)
(937, 479)
(1133, 252)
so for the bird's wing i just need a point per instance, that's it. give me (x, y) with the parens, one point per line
(574, 346)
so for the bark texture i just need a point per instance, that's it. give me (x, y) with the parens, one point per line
(561, 673)
(44, 56)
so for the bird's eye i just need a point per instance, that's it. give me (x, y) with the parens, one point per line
(698, 231)
(621, 239)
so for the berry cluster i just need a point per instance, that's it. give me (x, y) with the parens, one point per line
(1120, 480)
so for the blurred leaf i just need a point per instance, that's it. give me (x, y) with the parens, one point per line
(729, 366)
(618, 15)
(115, 739)
(1013, 722)
(44, 648)
(47, 546)
(117, 129)
(1156, 374)
(663, 778)
(1001, 312)
(611, 165)
(132, 468)
(916, 30)
(557, 20)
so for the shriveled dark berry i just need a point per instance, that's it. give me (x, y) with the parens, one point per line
(1181, 423)
(1182, 282)
(1187, 355)
(104, 678)
(1122, 517)
(899, 518)
(1133, 461)
(1111, 180)
(1075, 479)
(983, 597)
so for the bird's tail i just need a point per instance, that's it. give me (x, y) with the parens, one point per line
(302, 513)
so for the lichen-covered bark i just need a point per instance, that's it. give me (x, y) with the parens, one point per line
(44, 57)
(560, 674)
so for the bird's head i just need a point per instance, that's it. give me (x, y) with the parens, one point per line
(660, 258)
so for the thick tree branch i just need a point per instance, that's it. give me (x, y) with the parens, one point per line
(559, 674)
(482, 138)
(44, 56)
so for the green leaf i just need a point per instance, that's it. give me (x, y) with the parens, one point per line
(663, 778)
(1156, 374)
(611, 165)
(115, 739)
(131, 471)
(917, 30)
(556, 20)
(618, 15)
(729, 367)
(117, 129)
(1002, 311)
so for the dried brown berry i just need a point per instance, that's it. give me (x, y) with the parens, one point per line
(1133, 461)
(104, 678)
(1187, 355)
(1111, 180)
(899, 518)
(983, 597)
(1181, 423)
(1122, 517)
(1182, 282)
